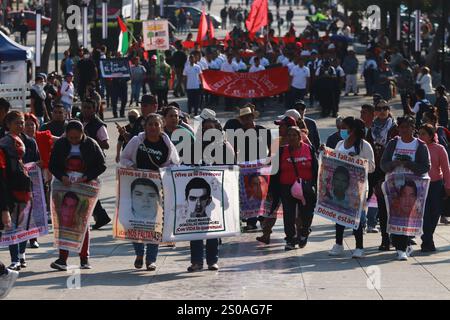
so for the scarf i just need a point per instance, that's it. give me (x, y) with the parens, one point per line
(39, 91)
(380, 130)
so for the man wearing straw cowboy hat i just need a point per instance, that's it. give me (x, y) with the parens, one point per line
(246, 122)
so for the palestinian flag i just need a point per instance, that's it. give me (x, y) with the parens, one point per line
(123, 38)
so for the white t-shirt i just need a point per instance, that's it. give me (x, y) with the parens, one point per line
(291, 66)
(406, 149)
(213, 65)
(342, 149)
(263, 61)
(193, 76)
(203, 63)
(218, 61)
(241, 65)
(229, 67)
(425, 83)
(67, 92)
(280, 58)
(299, 76)
(254, 68)
(417, 105)
(285, 62)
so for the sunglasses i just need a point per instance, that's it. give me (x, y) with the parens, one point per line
(381, 108)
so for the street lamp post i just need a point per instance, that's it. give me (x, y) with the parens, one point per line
(56, 38)
(38, 38)
(104, 20)
(133, 10)
(85, 27)
(417, 31)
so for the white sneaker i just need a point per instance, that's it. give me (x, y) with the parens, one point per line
(358, 254)
(401, 255)
(372, 230)
(7, 282)
(337, 250)
(409, 251)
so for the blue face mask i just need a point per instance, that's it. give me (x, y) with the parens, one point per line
(343, 133)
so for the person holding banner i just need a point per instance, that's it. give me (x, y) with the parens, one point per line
(150, 150)
(44, 141)
(269, 222)
(15, 186)
(440, 181)
(298, 169)
(73, 156)
(353, 132)
(409, 153)
(227, 158)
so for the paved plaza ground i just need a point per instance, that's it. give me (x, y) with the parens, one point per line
(248, 270)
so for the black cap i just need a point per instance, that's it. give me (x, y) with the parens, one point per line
(148, 99)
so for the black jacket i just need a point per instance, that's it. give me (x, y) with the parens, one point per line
(91, 153)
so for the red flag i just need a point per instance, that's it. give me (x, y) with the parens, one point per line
(202, 27)
(257, 17)
(211, 28)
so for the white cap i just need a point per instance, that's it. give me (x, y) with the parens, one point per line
(331, 46)
(291, 113)
(206, 114)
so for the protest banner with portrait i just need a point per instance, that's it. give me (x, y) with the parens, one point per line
(405, 194)
(29, 220)
(254, 196)
(71, 208)
(139, 206)
(200, 202)
(342, 188)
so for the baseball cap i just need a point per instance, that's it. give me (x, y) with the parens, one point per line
(287, 120)
(148, 99)
(291, 113)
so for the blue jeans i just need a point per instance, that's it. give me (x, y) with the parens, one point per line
(135, 90)
(212, 251)
(433, 210)
(372, 217)
(152, 251)
(15, 249)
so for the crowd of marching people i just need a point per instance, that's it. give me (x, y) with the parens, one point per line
(67, 111)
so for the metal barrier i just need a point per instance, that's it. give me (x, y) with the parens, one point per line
(17, 95)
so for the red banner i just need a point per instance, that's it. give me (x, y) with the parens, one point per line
(259, 84)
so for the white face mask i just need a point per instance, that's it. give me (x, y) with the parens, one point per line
(86, 56)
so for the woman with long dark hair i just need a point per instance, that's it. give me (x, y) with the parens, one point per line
(150, 150)
(354, 144)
